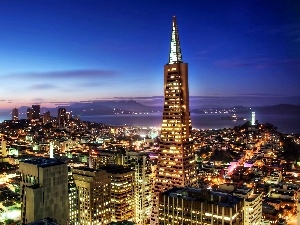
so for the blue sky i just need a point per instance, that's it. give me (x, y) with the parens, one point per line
(56, 52)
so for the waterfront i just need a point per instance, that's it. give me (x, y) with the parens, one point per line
(284, 123)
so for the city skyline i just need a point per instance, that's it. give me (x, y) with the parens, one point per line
(54, 52)
(75, 171)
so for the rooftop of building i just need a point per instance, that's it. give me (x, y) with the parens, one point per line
(104, 151)
(123, 222)
(135, 153)
(85, 168)
(48, 221)
(116, 169)
(198, 194)
(272, 200)
(43, 162)
(261, 185)
(242, 190)
(284, 192)
(252, 197)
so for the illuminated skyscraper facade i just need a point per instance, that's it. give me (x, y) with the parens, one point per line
(253, 119)
(141, 164)
(3, 147)
(99, 158)
(121, 192)
(73, 200)
(176, 161)
(94, 196)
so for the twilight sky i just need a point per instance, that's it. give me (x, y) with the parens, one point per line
(60, 51)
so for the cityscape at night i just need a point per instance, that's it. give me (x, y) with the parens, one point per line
(149, 113)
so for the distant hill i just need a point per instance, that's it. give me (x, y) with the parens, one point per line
(209, 109)
(278, 109)
(97, 108)
(130, 107)
(111, 107)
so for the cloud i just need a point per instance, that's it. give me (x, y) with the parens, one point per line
(61, 102)
(93, 84)
(65, 74)
(258, 62)
(37, 100)
(42, 86)
(260, 95)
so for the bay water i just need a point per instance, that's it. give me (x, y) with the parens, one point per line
(284, 123)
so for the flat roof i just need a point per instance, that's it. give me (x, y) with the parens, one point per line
(43, 162)
(85, 168)
(178, 192)
(252, 197)
(44, 221)
(116, 169)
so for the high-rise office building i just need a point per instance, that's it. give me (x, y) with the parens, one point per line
(61, 117)
(36, 112)
(176, 165)
(252, 202)
(68, 116)
(122, 192)
(141, 164)
(73, 200)
(29, 113)
(15, 114)
(46, 117)
(253, 209)
(99, 158)
(3, 148)
(44, 190)
(253, 118)
(94, 195)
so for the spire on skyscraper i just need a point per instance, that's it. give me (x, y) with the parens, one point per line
(175, 51)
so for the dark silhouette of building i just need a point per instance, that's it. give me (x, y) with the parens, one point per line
(61, 117)
(46, 117)
(15, 114)
(29, 113)
(36, 111)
